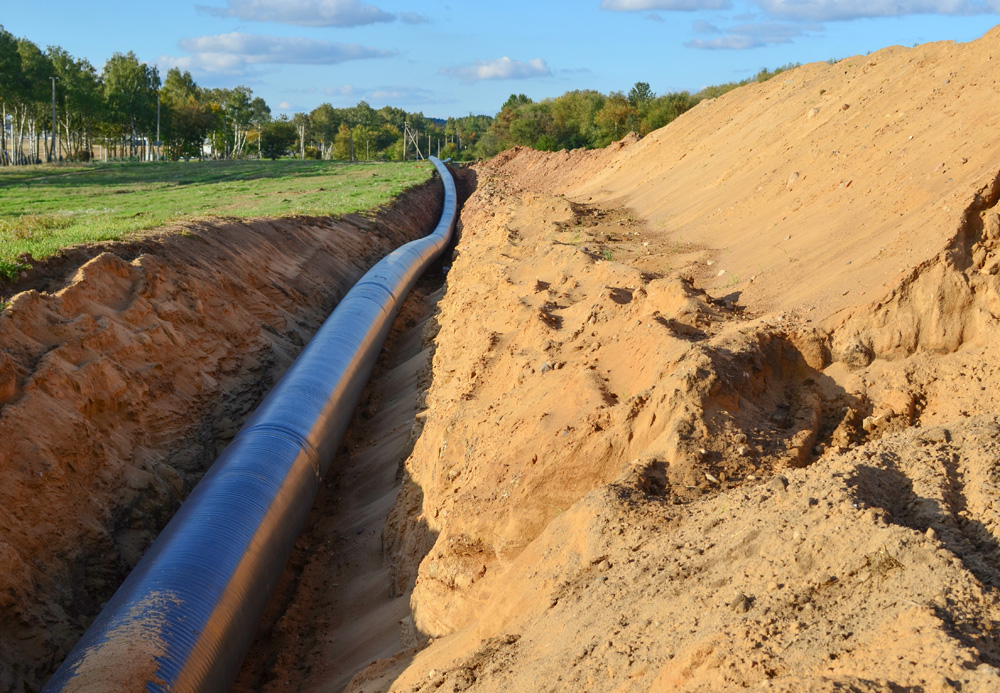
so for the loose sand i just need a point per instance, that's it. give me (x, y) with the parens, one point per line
(716, 409)
(707, 411)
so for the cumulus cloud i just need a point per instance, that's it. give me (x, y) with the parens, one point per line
(236, 53)
(503, 68)
(678, 5)
(831, 10)
(302, 12)
(744, 36)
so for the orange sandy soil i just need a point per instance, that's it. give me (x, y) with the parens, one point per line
(124, 369)
(712, 410)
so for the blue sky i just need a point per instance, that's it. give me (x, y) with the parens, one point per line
(453, 58)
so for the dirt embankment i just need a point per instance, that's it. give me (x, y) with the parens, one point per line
(122, 379)
(725, 414)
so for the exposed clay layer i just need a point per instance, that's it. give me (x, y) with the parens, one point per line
(120, 387)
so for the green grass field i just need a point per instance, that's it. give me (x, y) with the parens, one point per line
(43, 209)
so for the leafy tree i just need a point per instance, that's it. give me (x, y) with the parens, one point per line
(301, 122)
(468, 131)
(392, 116)
(489, 144)
(573, 115)
(179, 86)
(277, 138)
(386, 140)
(342, 143)
(79, 95)
(531, 123)
(239, 113)
(130, 88)
(32, 99)
(365, 142)
(324, 121)
(515, 100)
(260, 115)
(639, 94)
(11, 86)
(614, 118)
(660, 111)
(186, 119)
(363, 114)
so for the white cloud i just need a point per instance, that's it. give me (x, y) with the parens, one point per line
(342, 90)
(831, 10)
(405, 95)
(236, 53)
(302, 12)
(744, 36)
(678, 5)
(286, 106)
(386, 95)
(733, 42)
(503, 68)
(413, 18)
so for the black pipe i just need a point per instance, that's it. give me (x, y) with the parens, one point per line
(185, 617)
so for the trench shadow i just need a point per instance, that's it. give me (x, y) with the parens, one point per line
(405, 544)
(888, 488)
(347, 491)
(402, 539)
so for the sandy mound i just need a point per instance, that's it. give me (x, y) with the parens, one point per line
(713, 409)
(121, 383)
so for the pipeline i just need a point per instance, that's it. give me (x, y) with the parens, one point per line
(186, 615)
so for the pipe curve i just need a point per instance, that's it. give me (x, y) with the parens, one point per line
(186, 615)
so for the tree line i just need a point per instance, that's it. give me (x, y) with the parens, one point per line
(589, 119)
(130, 113)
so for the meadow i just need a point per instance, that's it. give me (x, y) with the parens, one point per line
(45, 208)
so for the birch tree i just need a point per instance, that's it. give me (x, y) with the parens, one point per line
(10, 86)
(130, 89)
(80, 105)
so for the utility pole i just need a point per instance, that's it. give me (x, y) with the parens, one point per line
(52, 149)
(411, 136)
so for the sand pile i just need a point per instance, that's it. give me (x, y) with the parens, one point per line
(124, 377)
(717, 409)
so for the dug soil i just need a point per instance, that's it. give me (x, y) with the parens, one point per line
(711, 410)
(124, 369)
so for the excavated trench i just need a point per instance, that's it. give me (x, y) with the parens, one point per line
(605, 424)
(609, 448)
(124, 369)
